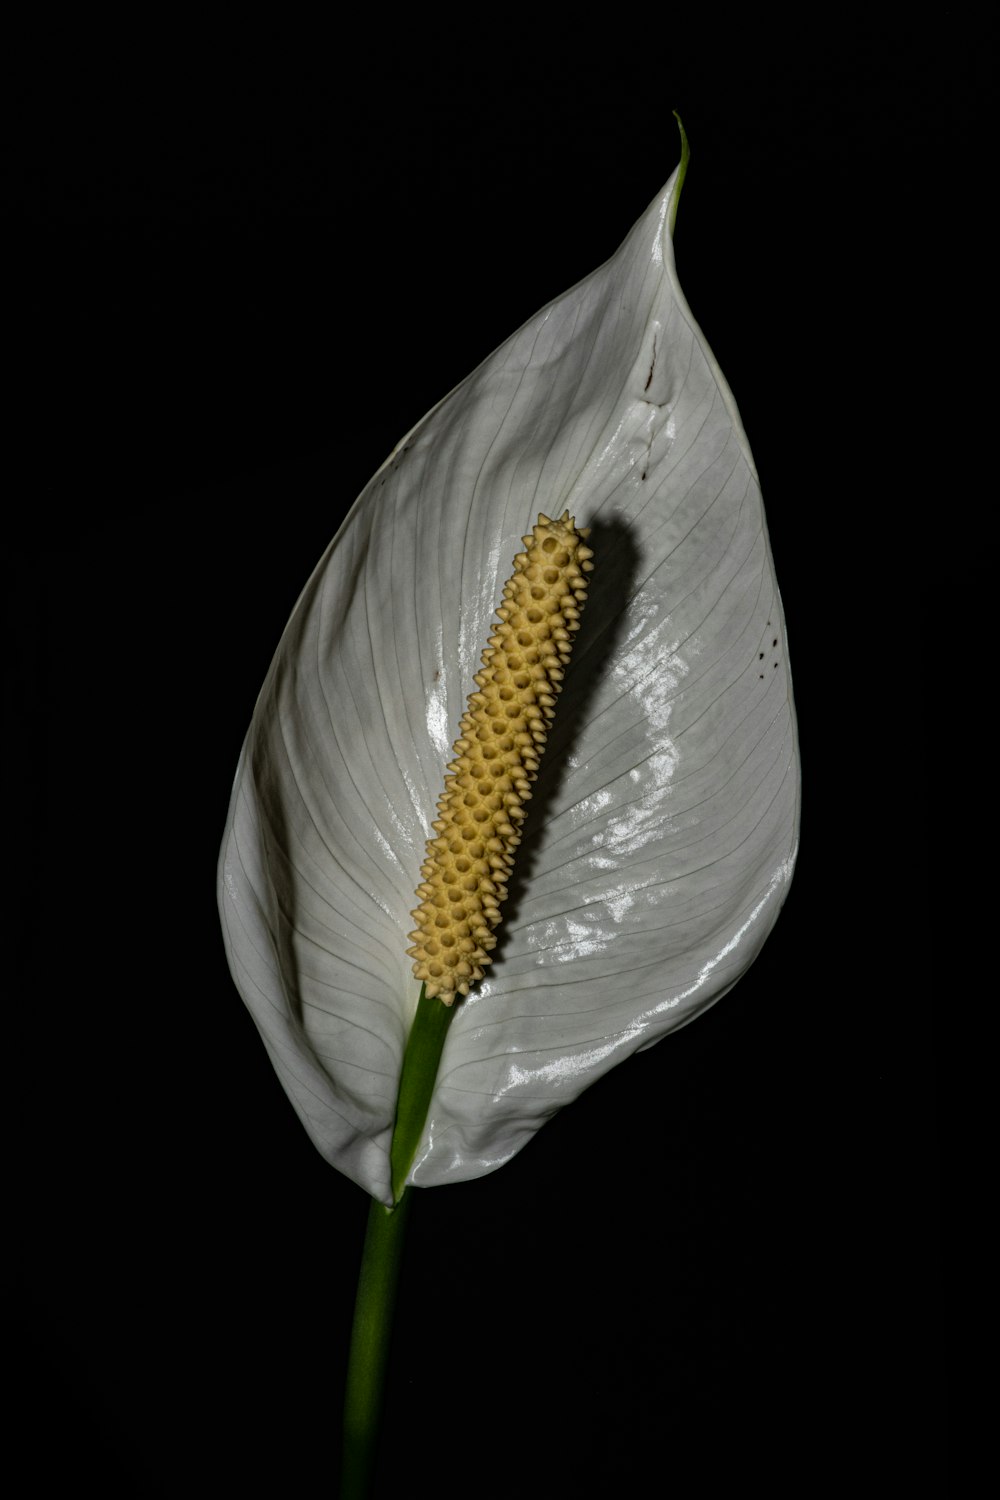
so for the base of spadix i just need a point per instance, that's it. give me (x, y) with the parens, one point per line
(416, 1084)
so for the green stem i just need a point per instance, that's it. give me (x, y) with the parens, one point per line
(382, 1254)
(416, 1084)
(369, 1356)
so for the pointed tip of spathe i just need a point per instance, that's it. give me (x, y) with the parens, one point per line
(679, 174)
(685, 148)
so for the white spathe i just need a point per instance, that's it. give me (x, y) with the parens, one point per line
(663, 829)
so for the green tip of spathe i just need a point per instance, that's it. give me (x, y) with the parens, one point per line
(681, 171)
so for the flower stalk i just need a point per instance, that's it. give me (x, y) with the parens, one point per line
(381, 1257)
(370, 1337)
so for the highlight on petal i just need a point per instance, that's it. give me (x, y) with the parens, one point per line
(663, 827)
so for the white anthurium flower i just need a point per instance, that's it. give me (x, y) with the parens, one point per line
(663, 830)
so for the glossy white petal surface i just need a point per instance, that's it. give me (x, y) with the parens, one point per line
(663, 829)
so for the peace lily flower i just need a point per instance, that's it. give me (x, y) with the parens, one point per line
(662, 831)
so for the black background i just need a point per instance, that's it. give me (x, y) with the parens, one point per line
(243, 271)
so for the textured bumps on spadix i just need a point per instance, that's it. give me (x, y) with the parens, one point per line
(497, 754)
